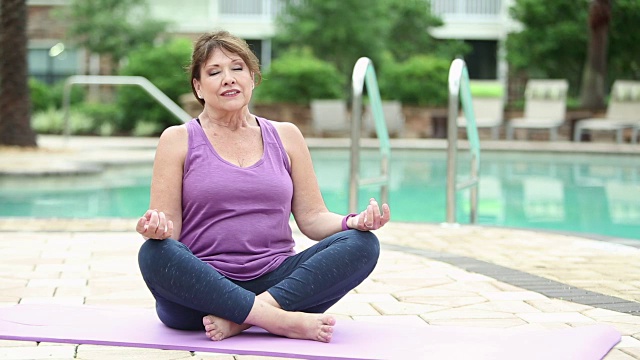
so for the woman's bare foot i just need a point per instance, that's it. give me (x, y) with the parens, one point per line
(295, 325)
(299, 325)
(218, 328)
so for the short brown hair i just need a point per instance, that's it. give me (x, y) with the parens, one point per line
(207, 43)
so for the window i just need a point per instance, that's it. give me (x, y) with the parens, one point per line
(53, 64)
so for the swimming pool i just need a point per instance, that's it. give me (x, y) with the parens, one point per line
(592, 194)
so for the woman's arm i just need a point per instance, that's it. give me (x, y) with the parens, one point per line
(164, 217)
(308, 206)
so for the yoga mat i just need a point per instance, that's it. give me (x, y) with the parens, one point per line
(351, 339)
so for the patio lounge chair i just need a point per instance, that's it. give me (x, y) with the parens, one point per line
(393, 116)
(488, 106)
(545, 107)
(329, 117)
(623, 112)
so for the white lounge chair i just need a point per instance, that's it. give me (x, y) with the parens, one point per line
(545, 107)
(393, 116)
(329, 117)
(488, 106)
(623, 112)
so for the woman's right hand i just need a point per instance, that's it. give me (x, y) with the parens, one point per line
(154, 225)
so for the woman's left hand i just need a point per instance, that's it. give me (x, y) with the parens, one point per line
(372, 218)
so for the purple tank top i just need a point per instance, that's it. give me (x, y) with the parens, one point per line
(237, 219)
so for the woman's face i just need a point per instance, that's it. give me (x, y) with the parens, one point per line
(225, 84)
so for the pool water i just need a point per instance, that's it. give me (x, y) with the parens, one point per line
(592, 194)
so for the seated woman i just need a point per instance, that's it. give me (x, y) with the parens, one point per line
(219, 251)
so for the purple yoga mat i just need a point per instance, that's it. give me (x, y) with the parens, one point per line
(351, 339)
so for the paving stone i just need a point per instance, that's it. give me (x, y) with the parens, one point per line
(628, 342)
(631, 351)
(212, 356)
(480, 323)
(97, 352)
(53, 300)
(56, 283)
(565, 317)
(443, 301)
(465, 313)
(512, 295)
(37, 352)
(368, 298)
(509, 306)
(401, 308)
(14, 343)
(396, 320)
(352, 309)
(557, 305)
(618, 354)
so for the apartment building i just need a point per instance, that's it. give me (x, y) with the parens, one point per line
(483, 24)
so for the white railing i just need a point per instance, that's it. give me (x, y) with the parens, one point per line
(466, 8)
(266, 9)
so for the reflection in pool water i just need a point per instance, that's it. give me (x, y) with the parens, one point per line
(597, 194)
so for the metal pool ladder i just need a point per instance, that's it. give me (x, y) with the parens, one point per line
(365, 74)
(459, 91)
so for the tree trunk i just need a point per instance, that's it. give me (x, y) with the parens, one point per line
(594, 76)
(15, 102)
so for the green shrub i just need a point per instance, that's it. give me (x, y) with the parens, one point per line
(51, 121)
(56, 92)
(164, 66)
(298, 77)
(104, 117)
(421, 80)
(40, 95)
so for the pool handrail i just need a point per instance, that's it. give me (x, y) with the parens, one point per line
(141, 81)
(460, 92)
(364, 74)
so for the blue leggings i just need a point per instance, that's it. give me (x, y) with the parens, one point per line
(186, 289)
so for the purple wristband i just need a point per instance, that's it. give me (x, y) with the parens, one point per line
(344, 221)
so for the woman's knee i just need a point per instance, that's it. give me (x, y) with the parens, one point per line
(152, 252)
(367, 244)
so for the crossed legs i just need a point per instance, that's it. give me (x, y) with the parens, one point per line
(289, 301)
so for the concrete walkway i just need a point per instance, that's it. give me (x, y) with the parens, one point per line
(428, 274)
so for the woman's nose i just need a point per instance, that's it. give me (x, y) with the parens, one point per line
(228, 78)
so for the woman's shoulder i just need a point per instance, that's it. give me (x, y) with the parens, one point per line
(174, 134)
(285, 128)
(290, 136)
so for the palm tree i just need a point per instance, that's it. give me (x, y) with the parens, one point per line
(15, 104)
(595, 70)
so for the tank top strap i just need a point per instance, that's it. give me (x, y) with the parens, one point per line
(272, 140)
(196, 134)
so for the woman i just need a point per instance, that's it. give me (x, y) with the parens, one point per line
(219, 249)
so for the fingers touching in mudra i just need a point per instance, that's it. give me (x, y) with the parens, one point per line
(372, 218)
(154, 225)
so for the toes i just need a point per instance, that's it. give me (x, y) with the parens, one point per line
(207, 320)
(215, 336)
(329, 320)
(324, 337)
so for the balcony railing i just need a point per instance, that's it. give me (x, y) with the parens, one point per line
(265, 9)
(467, 8)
